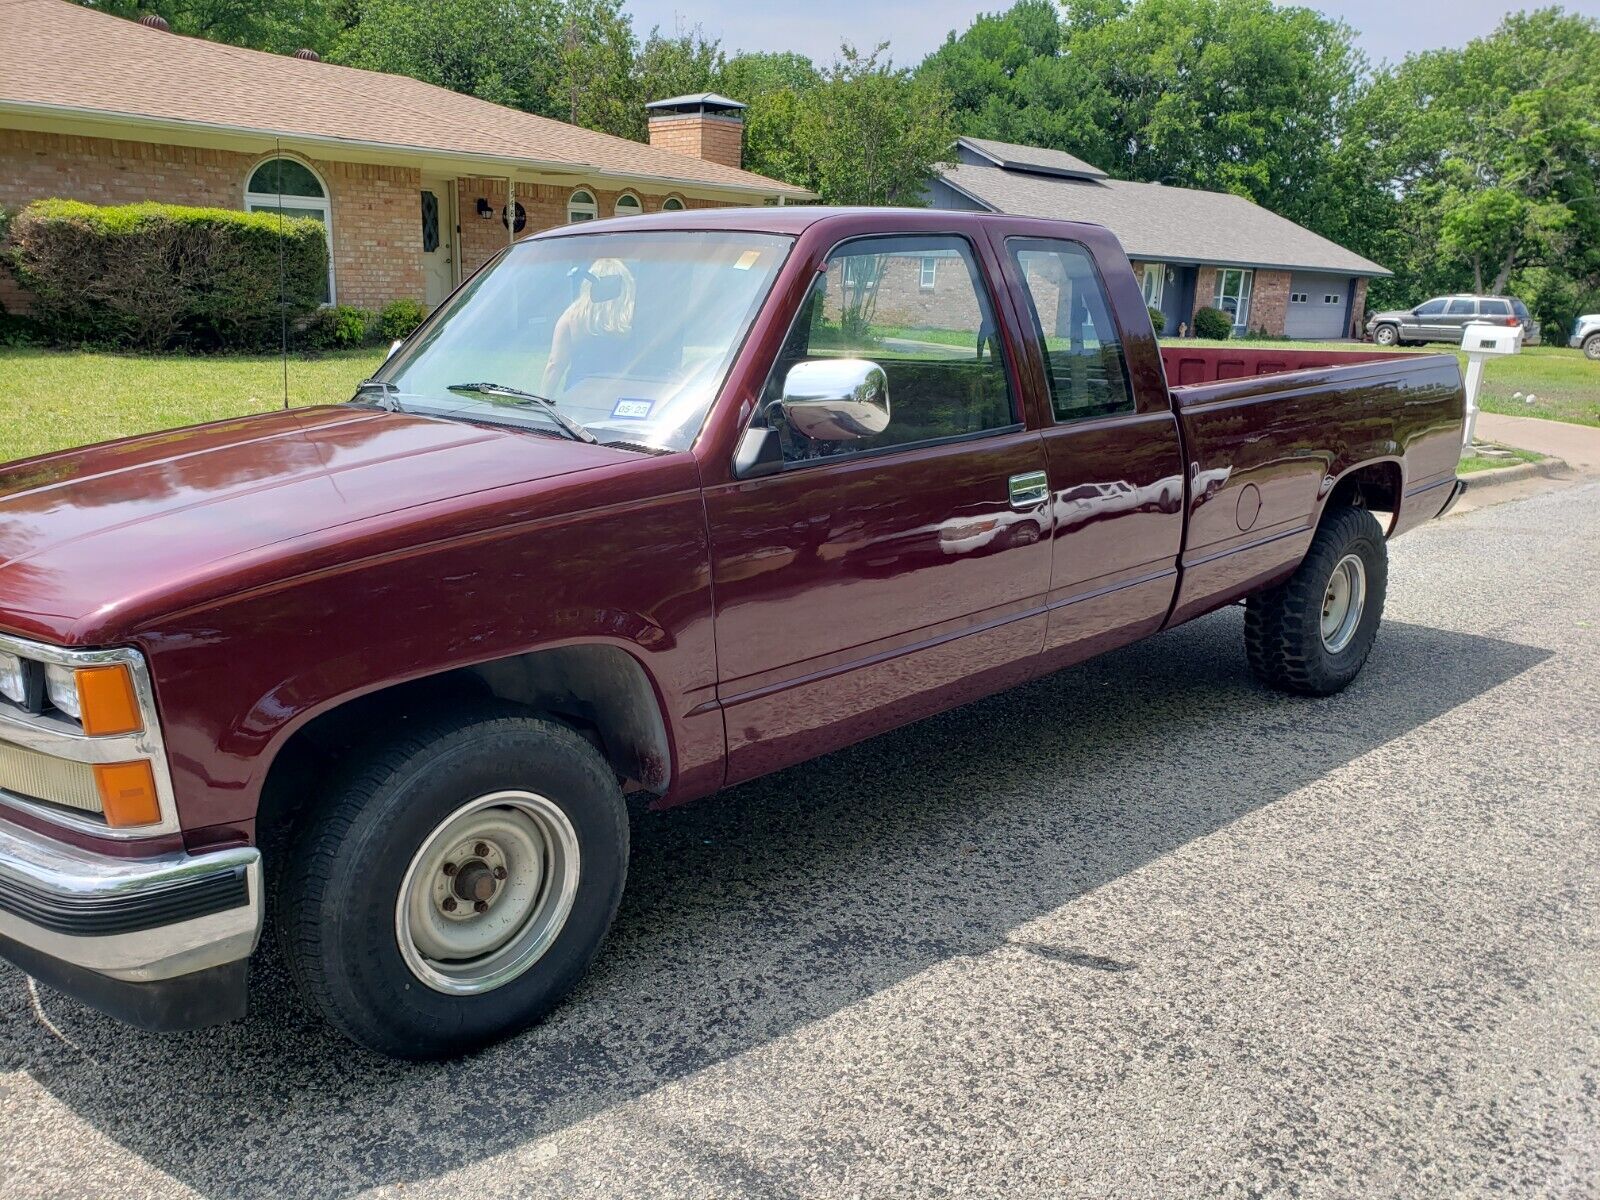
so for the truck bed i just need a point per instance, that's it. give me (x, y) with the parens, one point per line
(1267, 432)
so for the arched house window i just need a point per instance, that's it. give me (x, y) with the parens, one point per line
(581, 207)
(629, 205)
(672, 204)
(288, 186)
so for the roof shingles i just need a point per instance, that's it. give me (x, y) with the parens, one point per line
(56, 54)
(1154, 221)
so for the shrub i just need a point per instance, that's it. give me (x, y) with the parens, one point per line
(1212, 323)
(398, 318)
(1158, 321)
(163, 276)
(337, 327)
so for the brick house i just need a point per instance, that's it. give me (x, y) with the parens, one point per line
(410, 180)
(1190, 248)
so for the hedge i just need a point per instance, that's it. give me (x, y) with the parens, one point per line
(164, 276)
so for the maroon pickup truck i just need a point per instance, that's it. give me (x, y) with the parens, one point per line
(649, 505)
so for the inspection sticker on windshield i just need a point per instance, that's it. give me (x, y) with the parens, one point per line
(632, 410)
(747, 260)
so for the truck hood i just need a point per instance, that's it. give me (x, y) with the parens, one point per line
(88, 535)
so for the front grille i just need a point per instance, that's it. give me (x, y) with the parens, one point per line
(36, 776)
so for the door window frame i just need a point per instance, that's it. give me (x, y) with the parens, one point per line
(984, 290)
(1029, 313)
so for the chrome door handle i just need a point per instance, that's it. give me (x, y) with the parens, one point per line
(1029, 490)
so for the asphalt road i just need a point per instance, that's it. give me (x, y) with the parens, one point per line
(1141, 929)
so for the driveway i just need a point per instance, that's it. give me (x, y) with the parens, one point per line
(1140, 929)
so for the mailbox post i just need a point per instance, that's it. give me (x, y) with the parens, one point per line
(1483, 341)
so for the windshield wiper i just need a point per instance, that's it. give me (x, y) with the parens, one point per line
(517, 398)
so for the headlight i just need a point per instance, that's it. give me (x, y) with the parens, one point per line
(13, 680)
(61, 689)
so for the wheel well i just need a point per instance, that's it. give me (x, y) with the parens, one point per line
(1375, 487)
(601, 691)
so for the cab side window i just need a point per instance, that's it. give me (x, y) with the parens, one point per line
(1078, 339)
(917, 307)
(1462, 308)
(1433, 308)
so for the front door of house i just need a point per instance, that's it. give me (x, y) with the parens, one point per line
(438, 238)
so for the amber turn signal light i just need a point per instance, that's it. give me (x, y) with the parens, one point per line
(127, 794)
(107, 701)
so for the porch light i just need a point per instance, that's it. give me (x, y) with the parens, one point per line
(484, 209)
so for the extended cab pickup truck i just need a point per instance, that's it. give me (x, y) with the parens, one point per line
(648, 505)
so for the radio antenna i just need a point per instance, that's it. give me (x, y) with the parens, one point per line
(283, 293)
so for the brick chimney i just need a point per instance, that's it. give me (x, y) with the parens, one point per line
(705, 125)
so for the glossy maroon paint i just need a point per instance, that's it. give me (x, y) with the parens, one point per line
(276, 567)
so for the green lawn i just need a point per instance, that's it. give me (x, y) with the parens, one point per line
(1509, 456)
(1566, 384)
(52, 399)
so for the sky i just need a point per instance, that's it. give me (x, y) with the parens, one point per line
(1388, 29)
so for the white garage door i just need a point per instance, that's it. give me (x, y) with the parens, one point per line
(1318, 306)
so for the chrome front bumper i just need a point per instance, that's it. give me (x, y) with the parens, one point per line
(121, 932)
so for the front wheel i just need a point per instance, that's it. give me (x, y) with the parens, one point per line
(1312, 633)
(1386, 335)
(1591, 347)
(456, 887)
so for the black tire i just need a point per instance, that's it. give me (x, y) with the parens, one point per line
(1591, 347)
(337, 914)
(1283, 625)
(1387, 335)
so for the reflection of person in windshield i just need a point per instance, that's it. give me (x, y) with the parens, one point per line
(588, 335)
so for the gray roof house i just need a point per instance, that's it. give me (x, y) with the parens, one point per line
(1190, 248)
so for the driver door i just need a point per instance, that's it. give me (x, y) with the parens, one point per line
(873, 581)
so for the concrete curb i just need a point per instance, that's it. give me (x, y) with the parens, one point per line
(1485, 487)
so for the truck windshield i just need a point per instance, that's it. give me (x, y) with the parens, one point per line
(627, 335)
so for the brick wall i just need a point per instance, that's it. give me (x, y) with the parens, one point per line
(546, 207)
(1205, 289)
(1269, 302)
(377, 236)
(713, 138)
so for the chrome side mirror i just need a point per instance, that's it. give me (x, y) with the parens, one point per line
(836, 399)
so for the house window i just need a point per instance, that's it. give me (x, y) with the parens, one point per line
(1155, 281)
(581, 207)
(289, 186)
(929, 274)
(628, 205)
(672, 204)
(1233, 295)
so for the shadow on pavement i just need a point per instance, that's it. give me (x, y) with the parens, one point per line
(775, 905)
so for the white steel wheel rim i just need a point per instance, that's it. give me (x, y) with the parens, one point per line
(487, 893)
(1343, 602)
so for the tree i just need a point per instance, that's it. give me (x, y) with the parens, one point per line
(772, 85)
(279, 26)
(1493, 153)
(1228, 95)
(870, 133)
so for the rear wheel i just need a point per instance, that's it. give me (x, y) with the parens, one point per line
(1312, 633)
(456, 886)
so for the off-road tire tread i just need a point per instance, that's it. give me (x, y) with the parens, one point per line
(379, 765)
(1282, 624)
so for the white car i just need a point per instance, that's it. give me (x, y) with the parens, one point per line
(1586, 336)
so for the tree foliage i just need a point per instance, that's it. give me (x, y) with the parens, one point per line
(279, 26)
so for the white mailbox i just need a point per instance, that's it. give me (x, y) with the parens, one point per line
(1480, 337)
(1481, 341)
